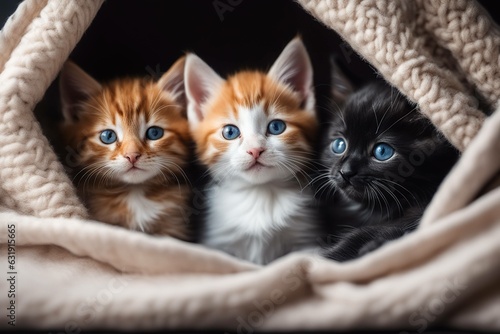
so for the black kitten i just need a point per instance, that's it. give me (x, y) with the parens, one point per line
(384, 161)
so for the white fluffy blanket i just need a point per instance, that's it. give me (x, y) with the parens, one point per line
(70, 273)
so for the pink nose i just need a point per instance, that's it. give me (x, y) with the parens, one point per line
(255, 152)
(132, 157)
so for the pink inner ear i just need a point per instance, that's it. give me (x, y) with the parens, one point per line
(201, 83)
(196, 94)
(294, 68)
(173, 81)
(300, 79)
(174, 85)
(75, 86)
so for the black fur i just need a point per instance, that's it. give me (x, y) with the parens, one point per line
(369, 202)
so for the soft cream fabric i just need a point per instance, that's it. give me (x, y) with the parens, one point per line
(433, 51)
(37, 40)
(74, 273)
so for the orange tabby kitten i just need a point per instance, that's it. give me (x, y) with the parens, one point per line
(132, 140)
(255, 132)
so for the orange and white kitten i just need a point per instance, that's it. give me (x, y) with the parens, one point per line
(255, 133)
(132, 142)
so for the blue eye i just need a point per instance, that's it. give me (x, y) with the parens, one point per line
(276, 127)
(230, 132)
(108, 137)
(154, 133)
(338, 146)
(383, 151)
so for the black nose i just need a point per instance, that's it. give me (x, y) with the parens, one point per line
(347, 173)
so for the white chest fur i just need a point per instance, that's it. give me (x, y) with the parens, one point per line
(260, 223)
(142, 210)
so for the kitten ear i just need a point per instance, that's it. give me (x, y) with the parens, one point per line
(75, 86)
(172, 81)
(201, 82)
(342, 88)
(293, 68)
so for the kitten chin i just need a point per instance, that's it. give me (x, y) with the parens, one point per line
(266, 175)
(133, 144)
(254, 132)
(137, 176)
(384, 158)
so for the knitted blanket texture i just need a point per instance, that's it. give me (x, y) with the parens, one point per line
(70, 272)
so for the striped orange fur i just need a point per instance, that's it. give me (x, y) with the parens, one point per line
(136, 182)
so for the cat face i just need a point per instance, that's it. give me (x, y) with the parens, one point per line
(253, 126)
(129, 130)
(380, 151)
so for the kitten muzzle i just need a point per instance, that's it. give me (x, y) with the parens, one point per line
(346, 176)
(349, 184)
(132, 157)
(256, 165)
(256, 152)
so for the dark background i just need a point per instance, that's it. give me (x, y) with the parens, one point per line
(143, 38)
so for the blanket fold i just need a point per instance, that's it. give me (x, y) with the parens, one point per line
(31, 176)
(394, 37)
(71, 273)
